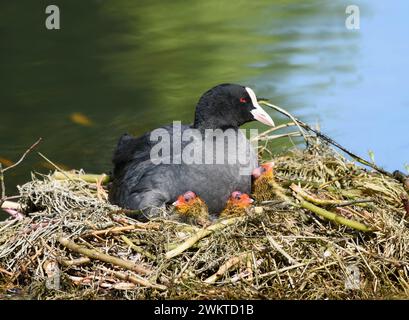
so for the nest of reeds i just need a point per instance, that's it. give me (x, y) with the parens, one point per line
(73, 244)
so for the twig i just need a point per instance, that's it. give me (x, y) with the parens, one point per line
(2, 171)
(272, 273)
(117, 230)
(329, 215)
(322, 186)
(324, 266)
(24, 155)
(248, 273)
(136, 248)
(11, 205)
(334, 217)
(6, 272)
(91, 178)
(2, 185)
(265, 133)
(226, 266)
(63, 172)
(136, 279)
(296, 121)
(95, 254)
(201, 234)
(74, 262)
(325, 202)
(276, 246)
(31, 260)
(283, 135)
(348, 203)
(329, 140)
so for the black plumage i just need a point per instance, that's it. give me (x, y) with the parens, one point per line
(140, 183)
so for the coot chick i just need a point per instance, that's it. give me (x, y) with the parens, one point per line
(237, 205)
(141, 182)
(265, 187)
(192, 209)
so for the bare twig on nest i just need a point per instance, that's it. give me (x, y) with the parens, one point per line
(201, 234)
(74, 262)
(2, 185)
(276, 246)
(272, 273)
(63, 172)
(11, 205)
(357, 201)
(226, 267)
(24, 155)
(283, 135)
(136, 248)
(296, 121)
(136, 279)
(95, 254)
(91, 178)
(117, 230)
(272, 129)
(2, 171)
(327, 214)
(6, 272)
(325, 202)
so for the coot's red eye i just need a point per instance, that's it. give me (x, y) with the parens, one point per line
(243, 100)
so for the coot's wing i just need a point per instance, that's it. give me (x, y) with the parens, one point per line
(129, 148)
(138, 149)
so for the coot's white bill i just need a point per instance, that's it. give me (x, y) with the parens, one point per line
(259, 113)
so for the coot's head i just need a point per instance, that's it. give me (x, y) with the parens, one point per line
(265, 169)
(239, 199)
(185, 201)
(229, 106)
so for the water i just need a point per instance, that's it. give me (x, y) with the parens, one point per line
(130, 66)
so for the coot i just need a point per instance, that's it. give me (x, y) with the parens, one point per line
(150, 171)
(265, 186)
(192, 209)
(237, 205)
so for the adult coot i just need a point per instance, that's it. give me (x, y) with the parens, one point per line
(211, 157)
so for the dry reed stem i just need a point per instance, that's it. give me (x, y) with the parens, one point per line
(95, 254)
(201, 234)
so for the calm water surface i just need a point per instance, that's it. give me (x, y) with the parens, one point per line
(130, 66)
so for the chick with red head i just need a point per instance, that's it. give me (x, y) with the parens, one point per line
(265, 187)
(237, 205)
(192, 209)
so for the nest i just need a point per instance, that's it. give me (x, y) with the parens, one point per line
(73, 244)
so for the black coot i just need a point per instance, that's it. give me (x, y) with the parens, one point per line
(212, 157)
